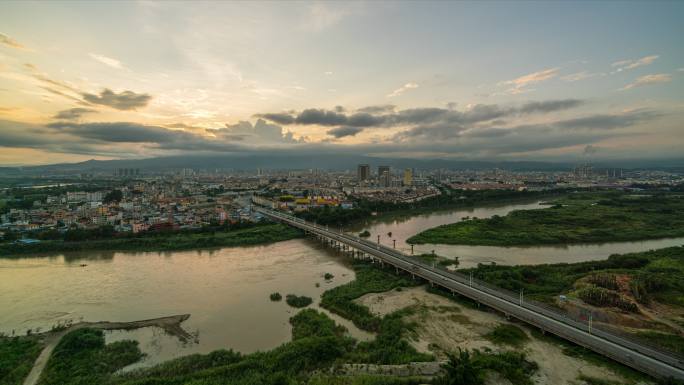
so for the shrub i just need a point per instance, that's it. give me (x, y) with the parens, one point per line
(276, 296)
(507, 335)
(298, 301)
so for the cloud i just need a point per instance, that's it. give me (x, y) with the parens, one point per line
(329, 73)
(106, 60)
(549, 106)
(280, 118)
(648, 80)
(388, 116)
(321, 117)
(120, 132)
(520, 84)
(258, 133)
(73, 113)
(126, 100)
(323, 15)
(608, 121)
(379, 109)
(8, 41)
(400, 91)
(341, 132)
(578, 76)
(443, 130)
(631, 64)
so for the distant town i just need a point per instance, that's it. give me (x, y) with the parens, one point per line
(133, 200)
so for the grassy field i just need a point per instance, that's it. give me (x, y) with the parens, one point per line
(259, 234)
(17, 355)
(579, 218)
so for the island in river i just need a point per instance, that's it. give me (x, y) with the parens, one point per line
(576, 218)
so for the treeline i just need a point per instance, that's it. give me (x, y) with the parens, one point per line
(242, 235)
(336, 216)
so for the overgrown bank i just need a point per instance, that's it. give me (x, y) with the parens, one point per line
(252, 234)
(576, 218)
(448, 199)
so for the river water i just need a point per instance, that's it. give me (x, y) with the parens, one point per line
(403, 227)
(226, 290)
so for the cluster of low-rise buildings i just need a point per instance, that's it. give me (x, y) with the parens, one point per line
(142, 206)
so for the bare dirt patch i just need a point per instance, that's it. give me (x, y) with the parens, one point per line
(444, 326)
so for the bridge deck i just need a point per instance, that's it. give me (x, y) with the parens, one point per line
(628, 352)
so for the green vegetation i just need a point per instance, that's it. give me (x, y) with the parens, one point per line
(276, 297)
(390, 345)
(506, 334)
(113, 196)
(328, 276)
(364, 234)
(471, 368)
(82, 357)
(364, 380)
(369, 279)
(317, 343)
(437, 259)
(449, 199)
(673, 342)
(580, 218)
(655, 274)
(17, 355)
(310, 323)
(602, 297)
(297, 301)
(249, 234)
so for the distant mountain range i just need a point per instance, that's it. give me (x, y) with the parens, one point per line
(323, 161)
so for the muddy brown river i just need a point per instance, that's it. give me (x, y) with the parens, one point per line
(226, 290)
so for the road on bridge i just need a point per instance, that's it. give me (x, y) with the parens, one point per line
(631, 353)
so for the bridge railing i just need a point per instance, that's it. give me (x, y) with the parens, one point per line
(602, 330)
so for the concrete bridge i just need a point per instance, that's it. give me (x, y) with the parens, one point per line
(634, 354)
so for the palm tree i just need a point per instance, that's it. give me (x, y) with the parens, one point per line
(461, 369)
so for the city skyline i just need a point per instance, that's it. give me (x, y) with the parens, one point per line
(486, 81)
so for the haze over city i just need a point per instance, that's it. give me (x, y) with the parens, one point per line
(484, 81)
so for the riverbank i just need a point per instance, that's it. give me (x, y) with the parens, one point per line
(448, 200)
(166, 241)
(574, 219)
(641, 294)
(412, 324)
(52, 339)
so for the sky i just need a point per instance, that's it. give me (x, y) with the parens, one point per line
(552, 81)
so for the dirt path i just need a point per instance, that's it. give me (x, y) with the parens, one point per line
(170, 324)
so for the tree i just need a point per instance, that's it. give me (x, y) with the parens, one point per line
(113, 196)
(461, 369)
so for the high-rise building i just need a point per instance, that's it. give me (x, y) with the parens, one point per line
(408, 177)
(363, 172)
(384, 176)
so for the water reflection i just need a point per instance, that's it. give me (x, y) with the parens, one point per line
(226, 291)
